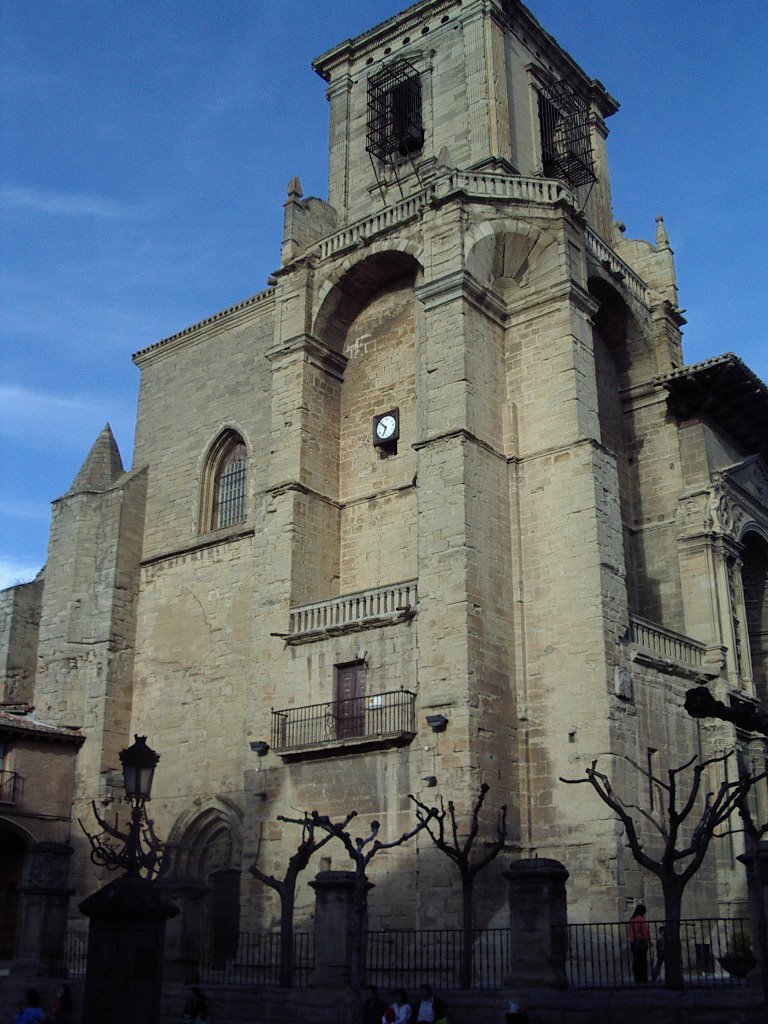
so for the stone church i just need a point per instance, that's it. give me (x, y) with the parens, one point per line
(442, 506)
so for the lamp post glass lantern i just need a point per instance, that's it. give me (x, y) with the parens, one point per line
(139, 762)
(141, 853)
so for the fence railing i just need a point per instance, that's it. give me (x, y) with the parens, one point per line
(605, 254)
(407, 958)
(68, 954)
(10, 785)
(256, 960)
(352, 609)
(666, 642)
(374, 715)
(599, 955)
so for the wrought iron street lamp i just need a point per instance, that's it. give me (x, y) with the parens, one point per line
(141, 853)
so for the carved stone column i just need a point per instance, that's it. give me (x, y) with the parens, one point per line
(45, 894)
(538, 921)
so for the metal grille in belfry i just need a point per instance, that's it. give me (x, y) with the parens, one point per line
(230, 488)
(566, 144)
(394, 112)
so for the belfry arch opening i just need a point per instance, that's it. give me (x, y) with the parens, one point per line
(365, 536)
(356, 288)
(754, 575)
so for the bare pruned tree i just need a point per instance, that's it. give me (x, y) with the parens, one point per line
(361, 851)
(460, 852)
(285, 887)
(684, 838)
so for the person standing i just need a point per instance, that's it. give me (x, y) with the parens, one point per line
(639, 936)
(196, 1007)
(62, 1008)
(372, 1007)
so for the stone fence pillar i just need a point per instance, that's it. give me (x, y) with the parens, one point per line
(335, 950)
(756, 864)
(185, 934)
(124, 975)
(538, 921)
(44, 909)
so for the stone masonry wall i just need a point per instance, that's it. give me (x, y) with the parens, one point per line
(19, 628)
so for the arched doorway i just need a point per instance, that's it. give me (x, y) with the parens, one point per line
(208, 850)
(13, 850)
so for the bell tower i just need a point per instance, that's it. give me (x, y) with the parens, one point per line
(472, 84)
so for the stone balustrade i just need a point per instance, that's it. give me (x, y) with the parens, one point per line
(361, 610)
(616, 265)
(666, 642)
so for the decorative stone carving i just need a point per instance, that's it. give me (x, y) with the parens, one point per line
(48, 866)
(623, 685)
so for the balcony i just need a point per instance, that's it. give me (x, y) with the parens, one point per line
(10, 787)
(365, 609)
(345, 726)
(672, 652)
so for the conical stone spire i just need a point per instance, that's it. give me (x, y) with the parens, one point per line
(102, 465)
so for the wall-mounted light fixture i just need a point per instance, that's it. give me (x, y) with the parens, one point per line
(430, 781)
(437, 723)
(260, 747)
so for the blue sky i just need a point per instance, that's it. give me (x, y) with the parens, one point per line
(146, 148)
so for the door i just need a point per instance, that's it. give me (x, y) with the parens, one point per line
(350, 700)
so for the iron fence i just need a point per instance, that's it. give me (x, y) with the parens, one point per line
(256, 960)
(408, 958)
(377, 714)
(599, 955)
(65, 955)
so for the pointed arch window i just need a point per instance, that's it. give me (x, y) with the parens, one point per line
(225, 488)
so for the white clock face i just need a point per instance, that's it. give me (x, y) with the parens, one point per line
(386, 427)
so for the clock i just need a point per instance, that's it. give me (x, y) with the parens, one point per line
(386, 427)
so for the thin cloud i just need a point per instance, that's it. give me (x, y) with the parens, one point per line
(37, 417)
(33, 511)
(62, 203)
(13, 572)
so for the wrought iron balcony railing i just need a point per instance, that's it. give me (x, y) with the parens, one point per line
(10, 785)
(375, 717)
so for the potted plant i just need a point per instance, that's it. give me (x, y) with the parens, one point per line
(738, 959)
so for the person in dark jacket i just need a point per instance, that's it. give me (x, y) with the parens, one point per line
(196, 1007)
(427, 1009)
(372, 1007)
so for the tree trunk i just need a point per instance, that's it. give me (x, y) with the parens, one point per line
(466, 931)
(673, 960)
(359, 918)
(287, 900)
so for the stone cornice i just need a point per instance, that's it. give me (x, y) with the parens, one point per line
(294, 487)
(364, 45)
(462, 434)
(318, 353)
(524, 311)
(227, 318)
(205, 540)
(461, 284)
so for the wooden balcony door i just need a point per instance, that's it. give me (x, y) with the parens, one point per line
(350, 700)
